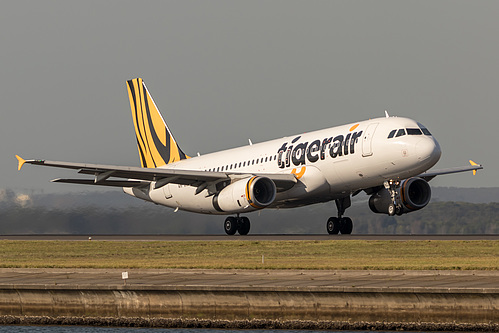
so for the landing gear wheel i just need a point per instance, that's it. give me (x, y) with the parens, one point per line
(333, 225)
(230, 225)
(244, 226)
(399, 211)
(346, 226)
(391, 209)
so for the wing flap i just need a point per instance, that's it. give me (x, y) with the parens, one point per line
(114, 183)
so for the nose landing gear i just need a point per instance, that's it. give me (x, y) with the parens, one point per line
(393, 187)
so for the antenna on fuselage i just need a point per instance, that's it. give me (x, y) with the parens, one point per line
(386, 114)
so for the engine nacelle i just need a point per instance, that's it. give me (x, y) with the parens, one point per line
(415, 193)
(245, 195)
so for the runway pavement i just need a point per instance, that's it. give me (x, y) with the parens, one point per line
(434, 281)
(266, 237)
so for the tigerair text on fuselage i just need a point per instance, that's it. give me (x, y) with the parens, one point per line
(297, 153)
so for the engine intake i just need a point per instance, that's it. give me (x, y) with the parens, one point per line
(244, 195)
(415, 193)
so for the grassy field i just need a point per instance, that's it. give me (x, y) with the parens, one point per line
(343, 254)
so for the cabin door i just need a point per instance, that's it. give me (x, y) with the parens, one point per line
(367, 147)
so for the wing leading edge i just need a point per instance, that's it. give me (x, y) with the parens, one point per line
(432, 174)
(135, 176)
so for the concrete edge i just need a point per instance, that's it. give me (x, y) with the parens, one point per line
(248, 324)
(286, 272)
(329, 289)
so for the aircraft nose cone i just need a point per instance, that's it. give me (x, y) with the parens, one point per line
(428, 149)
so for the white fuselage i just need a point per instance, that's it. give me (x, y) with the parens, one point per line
(329, 164)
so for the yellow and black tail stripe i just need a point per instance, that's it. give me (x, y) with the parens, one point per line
(155, 142)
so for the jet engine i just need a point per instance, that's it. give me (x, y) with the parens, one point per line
(245, 195)
(415, 193)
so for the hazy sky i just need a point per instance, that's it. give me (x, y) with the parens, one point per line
(225, 71)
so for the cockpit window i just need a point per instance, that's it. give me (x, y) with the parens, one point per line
(424, 129)
(400, 132)
(409, 131)
(414, 131)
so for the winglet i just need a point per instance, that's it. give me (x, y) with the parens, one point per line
(473, 164)
(21, 162)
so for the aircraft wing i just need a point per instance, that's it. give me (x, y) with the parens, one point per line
(136, 176)
(432, 174)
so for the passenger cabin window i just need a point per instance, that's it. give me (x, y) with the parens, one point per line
(414, 131)
(392, 134)
(401, 132)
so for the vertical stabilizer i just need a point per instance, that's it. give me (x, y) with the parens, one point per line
(155, 142)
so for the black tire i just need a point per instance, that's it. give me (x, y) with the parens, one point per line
(346, 226)
(244, 226)
(333, 226)
(230, 225)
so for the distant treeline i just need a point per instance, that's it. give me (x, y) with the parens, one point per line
(436, 218)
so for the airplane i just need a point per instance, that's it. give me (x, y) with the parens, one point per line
(388, 158)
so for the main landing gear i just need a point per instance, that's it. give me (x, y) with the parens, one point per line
(237, 224)
(340, 224)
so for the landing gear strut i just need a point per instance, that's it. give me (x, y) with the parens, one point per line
(335, 225)
(237, 224)
(392, 187)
